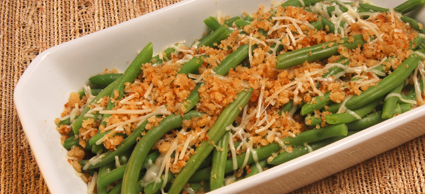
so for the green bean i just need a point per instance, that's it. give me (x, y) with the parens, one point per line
(333, 108)
(412, 93)
(129, 75)
(64, 122)
(97, 148)
(391, 102)
(104, 79)
(346, 117)
(254, 168)
(318, 25)
(71, 141)
(335, 70)
(95, 91)
(81, 93)
(123, 158)
(296, 3)
(264, 152)
(387, 84)
(234, 59)
(314, 135)
(154, 187)
(287, 107)
(192, 100)
(109, 156)
(97, 137)
(368, 121)
(316, 103)
(301, 150)
(218, 161)
(327, 25)
(215, 37)
(87, 147)
(204, 174)
(139, 187)
(145, 144)
(331, 9)
(404, 107)
(112, 176)
(118, 173)
(212, 23)
(422, 46)
(312, 121)
(229, 22)
(102, 172)
(76, 125)
(150, 159)
(191, 65)
(206, 162)
(263, 32)
(372, 8)
(413, 23)
(197, 188)
(331, 26)
(416, 42)
(240, 23)
(216, 132)
(316, 52)
(307, 50)
(117, 188)
(167, 52)
(408, 6)
(248, 18)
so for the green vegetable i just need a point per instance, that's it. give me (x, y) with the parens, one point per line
(104, 79)
(254, 168)
(368, 121)
(229, 22)
(320, 51)
(386, 84)
(71, 141)
(408, 6)
(390, 103)
(218, 161)
(264, 152)
(144, 146)
(120, 149)
(212, 23)
(215, 37)
(216, 132)
(346, 117)
(104, 170)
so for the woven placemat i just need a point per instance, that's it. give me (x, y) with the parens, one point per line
(28, 27)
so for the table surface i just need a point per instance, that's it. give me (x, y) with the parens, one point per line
(28, 27)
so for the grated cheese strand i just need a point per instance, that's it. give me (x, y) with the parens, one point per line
(342, 108)
(233, 151)
(308, 147)
(125, 100)
(266, 127)
(92, 184)
(400, 98)
(148, 91)
(352, 113)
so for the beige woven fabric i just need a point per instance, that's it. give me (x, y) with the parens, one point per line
(28, 27)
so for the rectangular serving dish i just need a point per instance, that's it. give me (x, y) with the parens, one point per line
(44, 88)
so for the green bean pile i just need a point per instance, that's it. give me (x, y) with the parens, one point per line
(254, 92)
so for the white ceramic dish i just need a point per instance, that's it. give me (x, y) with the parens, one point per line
(47, 82)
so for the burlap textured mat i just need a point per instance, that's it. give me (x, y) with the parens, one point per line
(28, 27)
